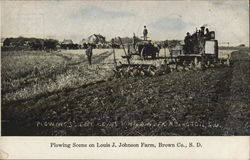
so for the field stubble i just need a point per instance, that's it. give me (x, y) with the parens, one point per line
(26, 75)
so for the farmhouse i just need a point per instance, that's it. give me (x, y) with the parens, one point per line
(96, 38)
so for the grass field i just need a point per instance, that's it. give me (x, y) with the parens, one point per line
(58, 93)
(28, 74)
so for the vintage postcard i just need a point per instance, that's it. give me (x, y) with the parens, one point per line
(125, 79)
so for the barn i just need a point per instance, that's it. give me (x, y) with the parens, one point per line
(68, 44)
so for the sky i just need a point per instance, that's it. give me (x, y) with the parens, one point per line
(164, 19)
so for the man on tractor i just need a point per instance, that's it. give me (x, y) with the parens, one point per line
(188, 43)
(145, 33)
(207, 35)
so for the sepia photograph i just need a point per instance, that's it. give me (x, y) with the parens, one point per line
(125, 68)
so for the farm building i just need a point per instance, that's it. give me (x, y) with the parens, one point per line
(68, 44)
(67, 41)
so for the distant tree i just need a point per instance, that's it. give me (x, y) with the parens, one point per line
(76, 46)
(17, 43)
(22, 43)
(7, 42)
(50, 44)
(84, 45)
(126, 40)
(36, 44)
(172, 43)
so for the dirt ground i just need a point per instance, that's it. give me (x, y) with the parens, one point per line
(190, 103)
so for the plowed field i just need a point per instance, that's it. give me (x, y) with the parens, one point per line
(61, 95)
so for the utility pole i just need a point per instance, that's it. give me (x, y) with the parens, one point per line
(112, 45)
(124, 50)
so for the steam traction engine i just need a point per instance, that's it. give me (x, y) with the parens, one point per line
(204, 49)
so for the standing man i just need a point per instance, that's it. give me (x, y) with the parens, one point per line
(207, 35)
(145, 33)
(134, 41)
(188, 43)
(202, 31)
(89, 53)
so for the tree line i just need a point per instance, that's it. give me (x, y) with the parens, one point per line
(22, 43)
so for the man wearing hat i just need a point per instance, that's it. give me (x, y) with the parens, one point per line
(145, 33)
(89, 53)
(188, 43)
(207, 35)
(202, 30)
